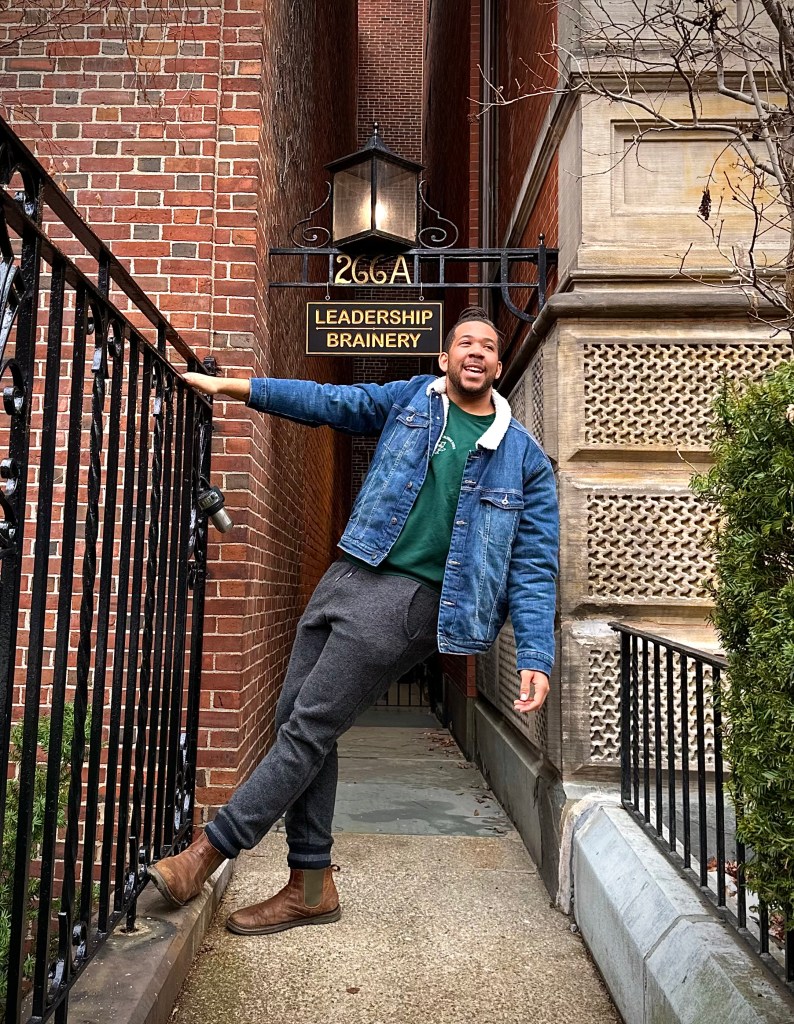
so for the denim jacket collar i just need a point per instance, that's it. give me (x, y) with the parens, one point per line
(494, 435)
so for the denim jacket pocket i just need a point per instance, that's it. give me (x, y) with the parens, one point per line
(511, 502)
(405, 429)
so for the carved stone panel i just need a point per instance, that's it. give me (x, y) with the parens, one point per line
(604, 699)
(636, 214)
(497, 680)
(641, 393)
(647, 546)
(526, 399)
(518, 401)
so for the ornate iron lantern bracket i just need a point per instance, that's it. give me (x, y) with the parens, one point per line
(433, 265)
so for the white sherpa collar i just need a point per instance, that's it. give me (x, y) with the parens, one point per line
(492, 437)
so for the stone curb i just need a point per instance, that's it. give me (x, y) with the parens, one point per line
(664, 955)
(136, 978)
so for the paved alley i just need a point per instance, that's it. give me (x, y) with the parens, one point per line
(445, 918)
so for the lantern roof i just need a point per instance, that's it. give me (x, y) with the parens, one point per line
(375, 146)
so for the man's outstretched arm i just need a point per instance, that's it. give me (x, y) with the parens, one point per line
(352, 408)
(229, 387)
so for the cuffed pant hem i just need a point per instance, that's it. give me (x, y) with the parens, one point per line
(220, 842)
(309, 858)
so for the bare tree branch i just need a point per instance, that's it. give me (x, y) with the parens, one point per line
(666, 60)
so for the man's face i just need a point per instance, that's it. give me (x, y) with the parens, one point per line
(472, 363)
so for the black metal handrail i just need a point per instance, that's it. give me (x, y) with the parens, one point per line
(113, 589)
(671, 728)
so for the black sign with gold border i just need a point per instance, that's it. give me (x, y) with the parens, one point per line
(373, 328)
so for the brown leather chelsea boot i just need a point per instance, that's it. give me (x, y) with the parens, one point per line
(178, 879)
(310, 897)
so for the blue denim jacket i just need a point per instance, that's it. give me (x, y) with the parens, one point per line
(503, 553)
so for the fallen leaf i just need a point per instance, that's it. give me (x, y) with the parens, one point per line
(353, 989)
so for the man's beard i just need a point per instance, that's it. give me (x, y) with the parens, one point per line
(480, 388)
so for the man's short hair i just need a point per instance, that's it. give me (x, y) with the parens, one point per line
(473, 313)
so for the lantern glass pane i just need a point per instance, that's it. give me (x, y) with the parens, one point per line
(395, 207)
(352, 201)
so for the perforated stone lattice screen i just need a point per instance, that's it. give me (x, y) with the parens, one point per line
(535, 421)
(647, 545)
(518, 402)
(604, 703)
(497, 680)
(533, 726)
(630, 398)
(526, 401)
(604, 694)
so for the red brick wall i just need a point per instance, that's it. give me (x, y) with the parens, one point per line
(526, 64)
(191, 145)
(390, 73)
(390, 69)
(526, 32)
(447, 109)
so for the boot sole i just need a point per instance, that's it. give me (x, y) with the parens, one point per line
(328, 918)
(161, 886)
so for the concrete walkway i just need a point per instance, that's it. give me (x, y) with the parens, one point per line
(445, 919)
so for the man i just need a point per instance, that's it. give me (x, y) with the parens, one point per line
(455, 526)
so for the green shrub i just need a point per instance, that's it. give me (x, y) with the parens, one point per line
(751, 485)
(8, 849)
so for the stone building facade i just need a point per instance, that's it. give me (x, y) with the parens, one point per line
(615, 377)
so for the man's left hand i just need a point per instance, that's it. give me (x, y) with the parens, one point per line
(533, 692)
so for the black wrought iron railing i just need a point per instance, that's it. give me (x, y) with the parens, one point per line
(102, 566)
(673, 781)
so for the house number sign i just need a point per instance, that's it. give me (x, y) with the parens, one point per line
(369, 270)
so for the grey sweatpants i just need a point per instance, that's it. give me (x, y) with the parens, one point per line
(360, 632)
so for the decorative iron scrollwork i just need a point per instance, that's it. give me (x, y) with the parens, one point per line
(313, 236)
(12, 286)
(434, 236)
(12, 292)
(8, 527)
(115, 338)
(95, 324)
(198, 523)
(182, 789)
(10, 471)
(79, 942)
(13, 161)
(13, 394)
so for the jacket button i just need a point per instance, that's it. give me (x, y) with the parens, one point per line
(409, 485)
(393, 522)
(460, 522)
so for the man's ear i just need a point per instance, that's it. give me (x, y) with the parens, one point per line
(498, 371)
(443, 361)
